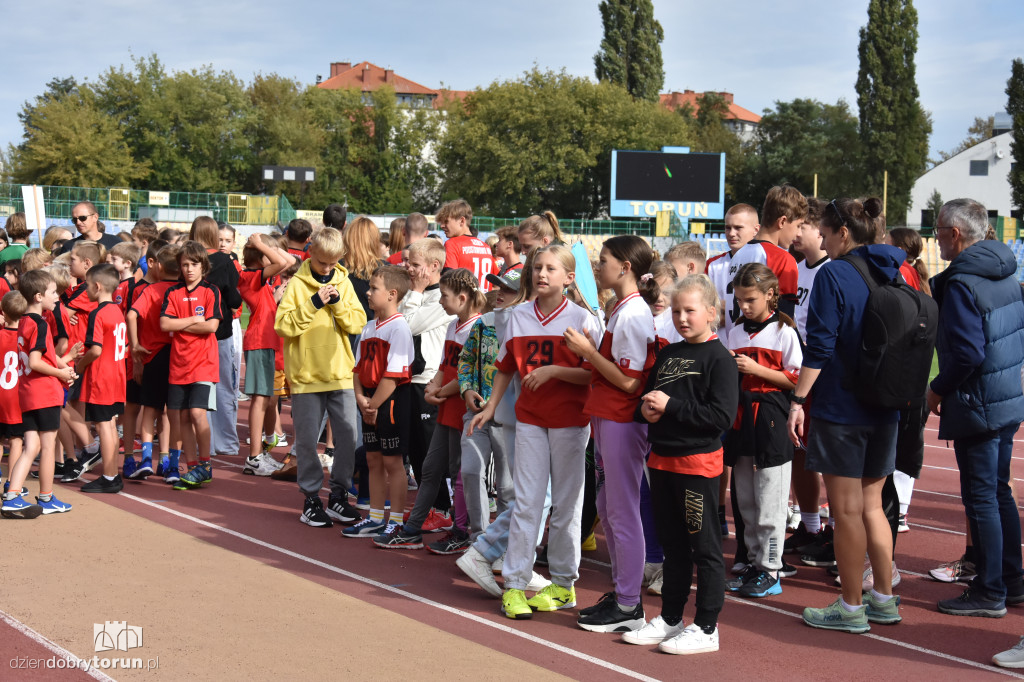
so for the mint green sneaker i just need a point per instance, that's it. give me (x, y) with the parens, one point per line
(836, 617)
(553, 598)
(887, 613)
(513, 605)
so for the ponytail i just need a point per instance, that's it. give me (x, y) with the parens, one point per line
(640, 255)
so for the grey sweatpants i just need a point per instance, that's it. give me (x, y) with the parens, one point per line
(476, 452)
(224, 422)
(307, 416)
(763, 499)
(443, 456)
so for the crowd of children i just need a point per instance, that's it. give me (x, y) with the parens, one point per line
(678, 383)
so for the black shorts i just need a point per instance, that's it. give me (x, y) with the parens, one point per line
(74, 391)
(133, 392)
(851, 450)
(43, 419)
(12, 430)
(102, 413)
(390, 435)
(191, 396)
(155, 375)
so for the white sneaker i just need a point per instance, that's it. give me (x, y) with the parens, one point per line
(869, 577)
(655, 632)
(793, 517)
(326, 461)
(282, 439)
(478, 569)
(252, 464)
(1011, 658)
(498, 564)
(650, 570)
(691, 640)
(267, 465)
(537, 583)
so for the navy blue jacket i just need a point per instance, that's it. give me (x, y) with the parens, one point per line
(980, 341)
(834, 320)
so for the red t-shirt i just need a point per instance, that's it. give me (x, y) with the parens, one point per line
(120, 296)
(395, 258)
(707, 465)
(77, 301)
(147, 306)
(237, 312)
(104, 379)
(37, 391)
(135, 289)
(298, 252)
(57, 323)
(469, 252)
(5, 287)
(259, 296)
(911, 275)
(385, 352)
(10, 405)
(194, 357)
(451, 411)
(629, 343)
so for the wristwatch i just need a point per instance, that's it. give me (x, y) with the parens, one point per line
(797, 399)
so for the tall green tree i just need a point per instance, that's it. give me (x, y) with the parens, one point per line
(979, 131)
(894, 129)
(1015, 107)
(630, 53)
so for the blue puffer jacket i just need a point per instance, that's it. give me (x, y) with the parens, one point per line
(981, 282)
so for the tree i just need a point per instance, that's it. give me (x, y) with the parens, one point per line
(630, 52)
(1015, 107)
(894, 129)
(934, 205)
(710, 134)
(979, 131)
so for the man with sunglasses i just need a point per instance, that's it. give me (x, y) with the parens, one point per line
(86, 218)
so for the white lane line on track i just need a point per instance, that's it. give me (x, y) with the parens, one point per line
(928, 428)
(950, 449)
(932, 466)
(957, 497)
(53, 646)
(894, 642)
(402, 593)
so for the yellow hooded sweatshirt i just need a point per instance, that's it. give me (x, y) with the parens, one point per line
(317, 353)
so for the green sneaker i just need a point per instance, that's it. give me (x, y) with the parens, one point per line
(836, 617)
(553, 598)
(196, 477)
(887, 613)
(513, 605)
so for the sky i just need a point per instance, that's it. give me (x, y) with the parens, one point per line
(762, 52)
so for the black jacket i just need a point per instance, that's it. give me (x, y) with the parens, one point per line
(224, 276)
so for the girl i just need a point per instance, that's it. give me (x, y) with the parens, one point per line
(687, 412)
(914, 271)
(619, 368)
(460, 297)
(551, 433)
(767, 351)
(664, 329)
(539, 230)
(362, 256)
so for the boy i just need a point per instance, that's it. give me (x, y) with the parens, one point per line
(317, 313)
(741, 226)
(383, 397)
(41, 394)
(191, 313)
(263, 262)
(508, 249)
(13, 305)
(151, 352)
(144, 233)
(298, 234)
(102, 369)
(428, 323)
(687, 258)
(462, 249)
(125, 259)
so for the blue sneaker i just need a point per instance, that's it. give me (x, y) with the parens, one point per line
(20, 508)
(171, 473)
(762, 585)
(7, 488)
(196, 477)
(130, 467)
(144, 470)
(53, 505)
(364, 529)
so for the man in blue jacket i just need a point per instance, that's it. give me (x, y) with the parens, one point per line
(978, 396)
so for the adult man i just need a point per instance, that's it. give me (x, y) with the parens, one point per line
(86, 218)
(977, 394)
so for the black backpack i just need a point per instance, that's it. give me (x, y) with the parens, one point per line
(894, 358)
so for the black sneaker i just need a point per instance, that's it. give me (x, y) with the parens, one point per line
(313, 513)
(58, 471)
(972, 603)
(822, 552)
(103, 485)
(454, 542)
(542, 556)
(787, 570)
(800, 541)
(89, 460)
(610, 618)
(72, 471)
(339, 509)
(748, 574)
(762, 585)
(607, 596)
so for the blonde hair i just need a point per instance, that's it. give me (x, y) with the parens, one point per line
(52, 235)
(327, 243)
(541, 227)
(127, 251)
(33, 259)
(61, 275)
(362, 247)
(205, 231)
(525, 292)
(396, 238)
(453, 210)
(564, 255)
(91, 251)
(687, 251)
(708, 293)
(428, 248)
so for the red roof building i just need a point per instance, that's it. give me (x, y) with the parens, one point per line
(368, 77)
(741, 121)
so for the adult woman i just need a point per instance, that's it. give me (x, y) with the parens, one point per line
(851, 443)
(362, 256)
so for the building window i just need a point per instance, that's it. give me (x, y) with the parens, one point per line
(979, 167)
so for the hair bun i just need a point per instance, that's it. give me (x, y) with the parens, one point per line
(873, 207)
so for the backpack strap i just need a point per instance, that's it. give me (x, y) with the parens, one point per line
(861, 266)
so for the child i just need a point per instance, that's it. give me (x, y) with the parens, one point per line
(263, 262)
(315, 317)
(102, 369)
(767, 351)
(551, 433)
(539, 230)
(125, 258)
(41, 394)
(191, 313)
(226, 240)
(13, 305)
(462, 248)
(298, 234)
(665, 276)
(460, 297)
(619, 367)
(687, 411)
(144, 233)
(741, 226)
(688, 258)
(384, 399)
(508, 249)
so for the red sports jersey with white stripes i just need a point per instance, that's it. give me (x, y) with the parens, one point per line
(778, 260)
(536, 340)
(770, 344)
(148, 306)
(104, 380)
(77, 301)
(10, 405)
(194, 357)
(385, 351)
(628, 342)
(665, 331)
(469, 252)
(37, 391)
(452, 410)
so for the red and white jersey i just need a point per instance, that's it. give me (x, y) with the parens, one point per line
(665, 331)
(910, 275)
(194, 357)
(37, 391)
(103, 382)
(385, 351)
(10, 405)
(451, 411)
(805, 282)
(77, 301)
(148, 306)
(532, 340)
(469, 252)
(778, 260)
(628, 342)
(770, 344)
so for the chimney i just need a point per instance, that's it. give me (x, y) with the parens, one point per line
(727, 96)
(339, 67)
(366, 72)
(688, 92)
(389, 76)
